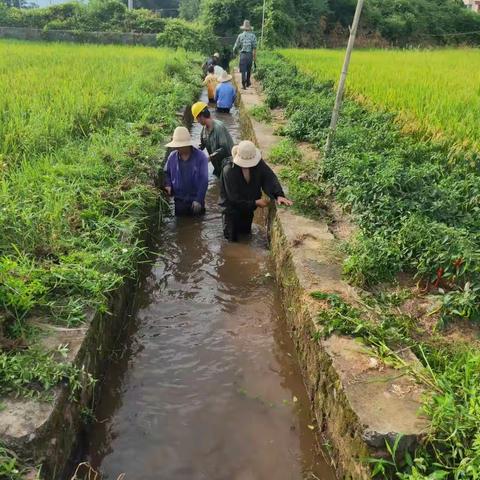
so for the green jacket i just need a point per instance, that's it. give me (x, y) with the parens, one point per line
(218, 142)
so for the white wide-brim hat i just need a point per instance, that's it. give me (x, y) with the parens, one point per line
(246, 154)
(224, 77)
(181, 138)
(246, 25)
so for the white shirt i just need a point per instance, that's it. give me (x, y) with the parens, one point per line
(217, 71)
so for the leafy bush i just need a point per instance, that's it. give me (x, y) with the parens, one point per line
(190, 36)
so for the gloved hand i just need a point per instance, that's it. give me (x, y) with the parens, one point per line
(196, 207)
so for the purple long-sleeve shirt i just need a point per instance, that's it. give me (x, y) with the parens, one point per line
(188, 178)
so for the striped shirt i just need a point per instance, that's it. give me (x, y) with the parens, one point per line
(246, 42)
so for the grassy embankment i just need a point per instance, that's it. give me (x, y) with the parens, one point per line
(415, 200)
(81, 129)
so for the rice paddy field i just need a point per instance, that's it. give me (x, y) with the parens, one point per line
(81, 130)
(434, 90)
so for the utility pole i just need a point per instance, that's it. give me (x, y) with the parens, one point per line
(130, 4)
(263, 22)
(343, 77)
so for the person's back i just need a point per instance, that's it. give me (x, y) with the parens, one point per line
(211, 83)
(218, 70)
(225, 96)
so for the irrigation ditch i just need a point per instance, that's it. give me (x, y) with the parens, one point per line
(211, 357)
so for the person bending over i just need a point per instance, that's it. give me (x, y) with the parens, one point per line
(225, 93)
(186, 174)
(243, 180)
(214, 137)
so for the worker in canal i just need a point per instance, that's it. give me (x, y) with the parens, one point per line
(225, 93)
(186, 174)
(246, 44)
(214, 137)
(211, 61)
(242, 183)
(211, 82)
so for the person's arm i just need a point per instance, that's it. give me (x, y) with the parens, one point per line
(216, 93)
(202, 179)
(254, 49)
(269, 181)
(167, 178)
(237, 44)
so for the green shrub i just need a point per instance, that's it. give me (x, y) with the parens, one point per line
(190, 36)
(261, 113)
(285, 152)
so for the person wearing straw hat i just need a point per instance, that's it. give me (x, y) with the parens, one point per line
(214, 137)
(243, 181)
(246, 44)
(225, 94)
(211, 61)
(186, 174)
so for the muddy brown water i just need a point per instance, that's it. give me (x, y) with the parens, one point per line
(207, 384)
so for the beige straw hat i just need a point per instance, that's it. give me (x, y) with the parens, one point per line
(246, 154)
(216, 55)
(224, 77)
(181, 138)
(246, 25)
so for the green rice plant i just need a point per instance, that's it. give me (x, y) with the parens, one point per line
(427, 88)
(81, 134)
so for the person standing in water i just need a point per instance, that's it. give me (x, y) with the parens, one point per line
(211, 82)
(246, 44)
(214, 137)
(186, 174)
(225, 93)
(242, 183)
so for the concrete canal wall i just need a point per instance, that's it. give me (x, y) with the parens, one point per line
(359, 403)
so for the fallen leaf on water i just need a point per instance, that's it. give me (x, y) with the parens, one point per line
(295, 399)
(311, 427)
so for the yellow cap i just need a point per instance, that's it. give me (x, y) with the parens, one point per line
(198, 108)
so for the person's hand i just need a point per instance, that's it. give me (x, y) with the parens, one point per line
(196, 207)
(284, 201)
(169, 191)
(262, 202)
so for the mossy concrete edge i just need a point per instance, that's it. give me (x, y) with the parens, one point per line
(359, 404)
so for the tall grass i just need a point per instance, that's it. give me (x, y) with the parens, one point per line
(81, 129)
(435, 90)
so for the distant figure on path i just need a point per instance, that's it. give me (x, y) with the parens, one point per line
(214, 137)
(241, 189)
(246, 44)
(186, 174)
(225, 93)
(211, 82)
